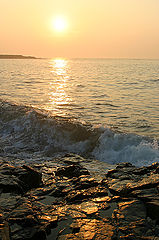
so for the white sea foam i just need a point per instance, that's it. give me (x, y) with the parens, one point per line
(117, 147)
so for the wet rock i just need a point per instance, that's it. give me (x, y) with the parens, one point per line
(89, 208)
(27, 221)
(85, 182)
(11, 184)
(31, 233)
(124, 165)
(8, 202)
(122, 181)
(21, 212)
(153, 209)
(18, 179)
(153, 166)
(156, 170)
(102, 199)
(48, 219)
(146, 194)
(80, 195)
(74, 170)
(62, 200)
(91, 229)
(130, 217)
(75, 227)
(148, 182)
(29, 176)
(122, 170)
(131, 211)
(4, 228)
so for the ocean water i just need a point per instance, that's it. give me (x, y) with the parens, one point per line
(107, 109)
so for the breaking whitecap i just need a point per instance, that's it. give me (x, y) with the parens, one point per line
(27, 132)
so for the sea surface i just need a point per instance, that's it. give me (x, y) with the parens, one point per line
(106, 109)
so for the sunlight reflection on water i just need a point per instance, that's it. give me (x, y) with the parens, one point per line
(58, 96)
(117, 93)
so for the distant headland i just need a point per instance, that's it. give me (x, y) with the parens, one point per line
(4, 56)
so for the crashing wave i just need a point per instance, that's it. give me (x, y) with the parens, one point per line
(25, 130)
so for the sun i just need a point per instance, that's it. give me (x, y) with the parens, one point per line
(60, 24)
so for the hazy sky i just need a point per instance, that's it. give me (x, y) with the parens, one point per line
(96, 28)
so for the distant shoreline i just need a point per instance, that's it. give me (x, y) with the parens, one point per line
(5, 56)
(12, 56)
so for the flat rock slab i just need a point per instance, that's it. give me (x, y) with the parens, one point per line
(122, 181)
(90, 229)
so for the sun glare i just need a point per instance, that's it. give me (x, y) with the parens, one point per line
(60, 24)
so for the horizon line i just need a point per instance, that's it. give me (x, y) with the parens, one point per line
(60, 57)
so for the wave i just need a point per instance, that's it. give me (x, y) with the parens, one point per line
(26, 131)
(155, 80)
(120, 147)
(107, 104)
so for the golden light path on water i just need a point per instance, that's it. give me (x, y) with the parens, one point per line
(122, 94)
(58, 97)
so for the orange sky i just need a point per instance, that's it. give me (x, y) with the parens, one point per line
(96, 28)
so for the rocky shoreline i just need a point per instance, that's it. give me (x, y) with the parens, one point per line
(65, 199)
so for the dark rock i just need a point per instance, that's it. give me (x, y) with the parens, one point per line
(110, 173)
(124, 165)
(89, 208)
(156, 170)
(130, 211)
(71, 171)
(4, 229)
(80, 195)
(8, 201)
(85, 182)
(72, 203)
(32, 233)
(141, 171)
(59, 193)
(18, 179)
(30, 177)
(91, 229)
(26, 221)
(7, 169)
(153, 209)
(21, 212)
(49, 219)
(122, 181)
(146, 194)
(153, 166)
(130, 217)
(11, 184)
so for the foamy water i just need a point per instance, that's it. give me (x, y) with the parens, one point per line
(103, 108)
